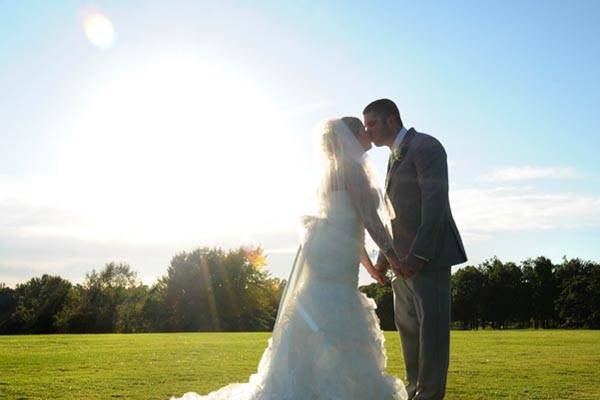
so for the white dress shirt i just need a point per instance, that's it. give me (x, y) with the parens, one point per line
(399, 138)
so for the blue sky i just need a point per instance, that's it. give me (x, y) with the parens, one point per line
(194, 126)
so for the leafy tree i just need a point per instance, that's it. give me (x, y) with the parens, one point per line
(594, 293)
(502, 292)
(39, 300)
(541, 282)
(154, 310)
(578, 302)
(468, 285)
(93, 306)
(130, 316)
(209, 289)
(8, 305)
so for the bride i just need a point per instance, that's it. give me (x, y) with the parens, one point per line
(326, 343)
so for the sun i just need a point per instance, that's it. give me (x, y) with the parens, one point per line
(98, 29)
(181, 149)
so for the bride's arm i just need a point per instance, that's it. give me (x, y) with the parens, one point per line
(365, 260)
(366, 201)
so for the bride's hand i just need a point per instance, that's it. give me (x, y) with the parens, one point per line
(381, 266)
(378, 276)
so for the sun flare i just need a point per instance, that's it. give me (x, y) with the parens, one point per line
(181, 150)
(99, 29)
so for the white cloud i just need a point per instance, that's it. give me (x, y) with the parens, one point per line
(471, 237)
(480, 212)
(528, 173)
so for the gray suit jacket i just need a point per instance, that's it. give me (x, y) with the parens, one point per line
(417, 187)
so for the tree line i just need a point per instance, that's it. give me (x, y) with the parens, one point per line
(207, 289)
(500, 295)
(210, 289)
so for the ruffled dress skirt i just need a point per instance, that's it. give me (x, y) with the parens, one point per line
(327, 343)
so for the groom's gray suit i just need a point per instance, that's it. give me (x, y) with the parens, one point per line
(417, 186)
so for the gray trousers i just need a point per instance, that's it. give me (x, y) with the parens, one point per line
(422, 316)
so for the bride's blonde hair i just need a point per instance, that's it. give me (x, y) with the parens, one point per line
(328, 142)
(353, 123)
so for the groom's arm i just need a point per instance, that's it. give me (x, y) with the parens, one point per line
(432, 175)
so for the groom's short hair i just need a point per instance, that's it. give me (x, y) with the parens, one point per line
(383, 108)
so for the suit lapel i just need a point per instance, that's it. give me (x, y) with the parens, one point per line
(393, 164)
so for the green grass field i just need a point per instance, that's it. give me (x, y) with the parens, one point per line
(484, 364)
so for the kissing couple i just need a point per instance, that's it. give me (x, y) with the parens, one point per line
(326, 343)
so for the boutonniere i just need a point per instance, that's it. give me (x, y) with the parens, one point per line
(399, 153)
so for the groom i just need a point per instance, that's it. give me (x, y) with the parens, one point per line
(427, 241)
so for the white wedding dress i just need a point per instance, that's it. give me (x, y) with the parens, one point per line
(326, 343)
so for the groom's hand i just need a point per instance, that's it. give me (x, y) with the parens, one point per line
(399, 268)
(404, 271)
(412, 264)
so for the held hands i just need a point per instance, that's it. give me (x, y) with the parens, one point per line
(382, 267)
(376, 273)
(407, 267)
